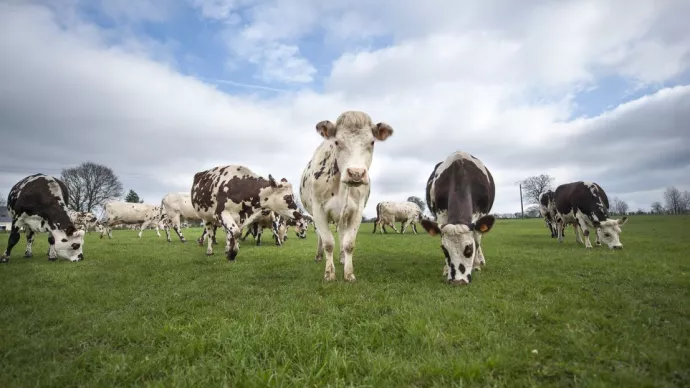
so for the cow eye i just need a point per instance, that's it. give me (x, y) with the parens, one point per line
(607, 234)
(337, 143)
(64, 240)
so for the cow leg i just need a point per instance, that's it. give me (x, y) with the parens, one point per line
(414, 227)
(52, 252)
(375, 223)
(144, 225)
(276, 235)
(178, 230)
(215, 229)
(560, 225)
(167, 232)
(326, 241)
(585, 229)
(598, 242)
(249, 231)
(349, 228)
(209, 232)
(232, 234)
(405, 225)
(319, 248)
(259, 233)
(479, 260)
(392, 225)
(200, 240)
(29, 242)
(12, 240)
(577, 229)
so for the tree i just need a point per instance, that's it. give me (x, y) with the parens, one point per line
(417, 201)
(532, 211)
(619, 206)
(685, 201)
(534, 186)
(133, 197)
(657, 207)
(673, 199)
(3, 201)
(90, 185)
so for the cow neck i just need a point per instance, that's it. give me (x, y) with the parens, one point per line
(459, 210)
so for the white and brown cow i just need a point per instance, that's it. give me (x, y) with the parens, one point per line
(233, 197)
(267, 220)
(173, 207)
(586, 204)
(128, 213)
(301, 227)
(83, 220)
(38, 203)
(335, 185)
(460, 193)
(390, 212)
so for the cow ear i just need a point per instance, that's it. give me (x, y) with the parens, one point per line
(283, 180)
(382, 131)
(70, 230)
(272, 181)
(326, 129)
(431, 227)
(484, 224)
(622, 220)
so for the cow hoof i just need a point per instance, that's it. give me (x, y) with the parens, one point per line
(4, 259)
(232, 255)
(28, 255)
(184, 241)
(350, 277)
(329, 276)
(318, 259)
(477, 268)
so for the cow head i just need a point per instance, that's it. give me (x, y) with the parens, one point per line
(353, 137)
(280, 198)
(69, 243)
(609, 232)
(301, 227)
(459, 246)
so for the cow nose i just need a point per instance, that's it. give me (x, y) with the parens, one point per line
(618, 247)
(458, 282)
(76, 246)
(356, 174)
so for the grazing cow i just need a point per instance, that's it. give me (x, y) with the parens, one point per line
(83, 220)
(547, 208)
(174, 206)
(586, 205)
(233, 197)
(267, 219)
(335, 185)
(38, 203)
(389, 212)
(134, 214)
(301, 226)
(460, 193)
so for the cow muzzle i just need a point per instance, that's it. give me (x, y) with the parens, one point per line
(617, 247)
(356, 176)
(458, 282)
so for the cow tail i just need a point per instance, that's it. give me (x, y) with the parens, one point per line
(378, 216)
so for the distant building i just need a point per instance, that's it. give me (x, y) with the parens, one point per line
(5, 223)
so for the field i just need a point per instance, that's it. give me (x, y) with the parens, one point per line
(151, 313)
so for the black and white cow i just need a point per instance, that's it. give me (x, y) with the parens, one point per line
(335, 184)
(586, 204)
(301, 226)
(389, 212)
(267, 220)
(460, 193)
(38, 203)
(547, 208)
(233, 197)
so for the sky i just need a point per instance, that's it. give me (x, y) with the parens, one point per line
(161, 89)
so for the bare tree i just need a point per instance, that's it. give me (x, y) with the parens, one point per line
(674, 200)
(91, 185)
(3, 200)
(619, 206)
(657, 207)
(534, 186)
(685, 201)
(418, 201)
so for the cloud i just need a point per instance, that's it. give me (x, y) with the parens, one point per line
(500, 85)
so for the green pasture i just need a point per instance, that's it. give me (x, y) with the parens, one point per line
(145, 312)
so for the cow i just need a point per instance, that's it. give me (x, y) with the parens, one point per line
(38, 203)
(547, 209)
(173, 206)
(301, 226)
(233, 197)
(335, 184)
(586, 205)
(83, 220)
(267, 220)
(460, 193)
(389, 212)
(129, 213)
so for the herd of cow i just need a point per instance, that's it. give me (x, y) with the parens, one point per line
(334, 187)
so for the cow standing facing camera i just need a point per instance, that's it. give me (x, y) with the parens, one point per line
(39, 204)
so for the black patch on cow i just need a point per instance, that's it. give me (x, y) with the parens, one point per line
(32, 196)
(586, 232)
(576, 196)
(469, 250)
(462, 269)
(462, 190)
(469, 278)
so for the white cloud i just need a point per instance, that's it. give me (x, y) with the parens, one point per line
(498, 85)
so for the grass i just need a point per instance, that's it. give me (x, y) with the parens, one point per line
(151, 313)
